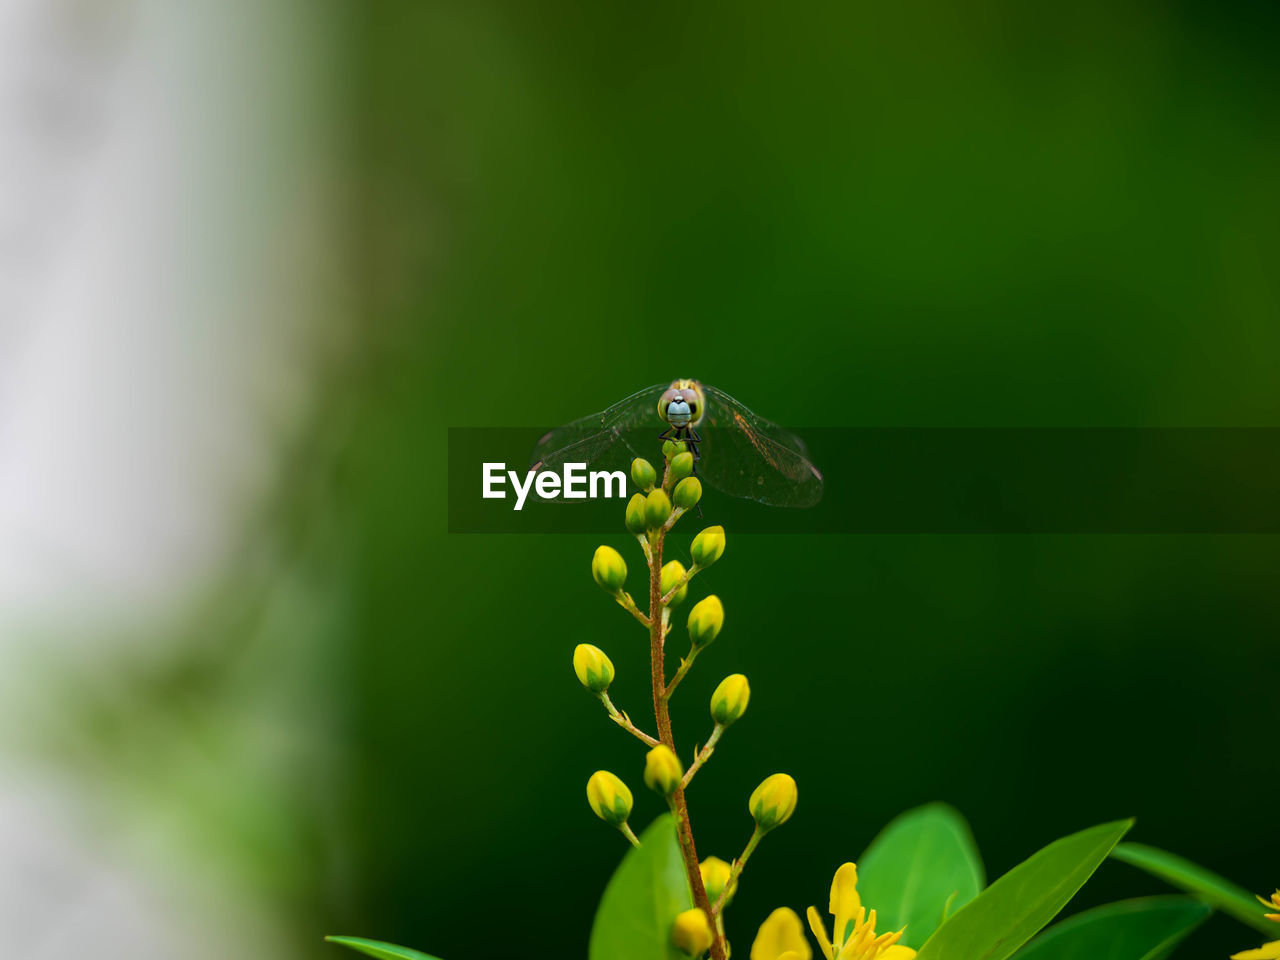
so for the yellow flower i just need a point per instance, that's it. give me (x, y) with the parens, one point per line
(781, 937)
(609, 798)
(1268, 951)
(855, 929)
(715, 875)
(773, 802)
(609, 569)
(691, 932)
(593, 667)
(662, 771)
(1272, 904)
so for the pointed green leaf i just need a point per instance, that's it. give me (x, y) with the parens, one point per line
(376, 948)
(642, 899)
(1193, 878)
(1144, 929)
(915, 867)
(1011, 911)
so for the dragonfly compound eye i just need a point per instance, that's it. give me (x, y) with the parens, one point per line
(691, 398)
(665, 401)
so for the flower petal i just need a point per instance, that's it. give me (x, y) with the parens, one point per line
(845, 902)
(781, 934)
(898, 952)
(820, 933)
(1268, 951)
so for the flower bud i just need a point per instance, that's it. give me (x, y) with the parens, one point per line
(773, 802)
(642, 473)
(657, 507)
(687, 493)
(635, 514)
(672, 447)
(691, 932)
(715, 874)
(705, 620)
(594, 669)
(673, 573)
(707, 546)
(682, 465)
(728, 703)
(609, 569)
(609, 798)
(662, 770)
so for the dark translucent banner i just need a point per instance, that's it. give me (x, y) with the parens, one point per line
(912, 481)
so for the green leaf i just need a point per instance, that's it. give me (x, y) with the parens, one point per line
(916, 866)
(1144, 929)
(642, 899)
(1010, 911)
(1193, 878)
(376, 948)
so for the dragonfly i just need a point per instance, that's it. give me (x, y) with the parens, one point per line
(735, 450)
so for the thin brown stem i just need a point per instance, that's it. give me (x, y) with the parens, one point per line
(684, 830)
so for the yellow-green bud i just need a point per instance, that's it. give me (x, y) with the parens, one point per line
(609, 798)
(705, 620)
(673, 573)
(609, 569)
(672, 447)
(642, 473)
(662, 770)
(715, 874)
(773, 801)
(691, 932)
(657, 507)
(687, 493)
(635, 514)
(594, 669)
(729, 702)
(707, 546)
(682, 465)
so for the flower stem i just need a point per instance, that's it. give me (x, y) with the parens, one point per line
(737, 870)
(658, 676)
(685, 664)
(629, 605)
(680, 584)
(703, 755)
(622, 720)
(626, 832)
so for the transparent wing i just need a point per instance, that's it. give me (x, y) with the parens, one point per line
(604, 440)
(747, 456)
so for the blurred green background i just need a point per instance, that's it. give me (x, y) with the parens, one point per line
(904, 214)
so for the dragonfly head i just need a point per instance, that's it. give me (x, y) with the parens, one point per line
(682, 404)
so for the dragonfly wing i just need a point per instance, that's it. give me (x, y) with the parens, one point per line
(592, 434)
(745, 455)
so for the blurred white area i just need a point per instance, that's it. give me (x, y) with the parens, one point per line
(167, 277)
